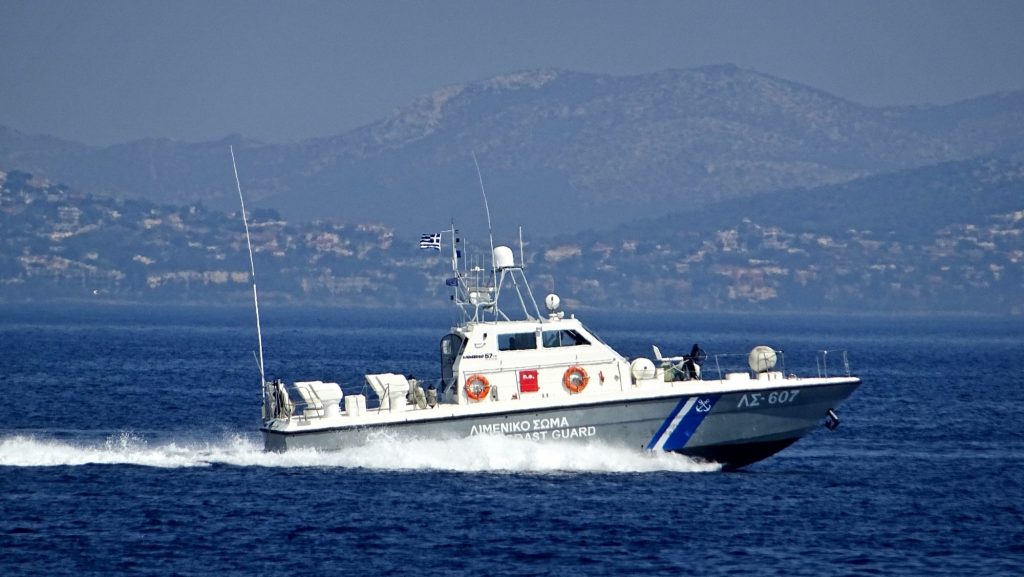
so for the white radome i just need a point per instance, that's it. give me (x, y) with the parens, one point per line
(552, 301)
(762, 359)
(503, 257)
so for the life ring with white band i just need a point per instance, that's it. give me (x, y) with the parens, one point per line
(477, 387)
(575, 379)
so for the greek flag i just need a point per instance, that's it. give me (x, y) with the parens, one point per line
(428, 241)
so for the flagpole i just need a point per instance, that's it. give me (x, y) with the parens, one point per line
(455, 253)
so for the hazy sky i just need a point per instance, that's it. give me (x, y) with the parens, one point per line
(108, 71)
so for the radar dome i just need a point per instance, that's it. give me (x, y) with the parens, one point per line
(503, 257)
(762, 359)
(552, 301)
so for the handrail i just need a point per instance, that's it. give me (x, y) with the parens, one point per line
(304, 405)
(826, 363)
(821, 361)
(743, 365)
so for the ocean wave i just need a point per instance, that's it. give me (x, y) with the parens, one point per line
(383, 452)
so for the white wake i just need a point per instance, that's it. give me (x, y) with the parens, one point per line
(473, 454)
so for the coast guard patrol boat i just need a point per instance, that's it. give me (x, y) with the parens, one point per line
(547, 377)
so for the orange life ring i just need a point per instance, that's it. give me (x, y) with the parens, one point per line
(575, 379)
(477, 387)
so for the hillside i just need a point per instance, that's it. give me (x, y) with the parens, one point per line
(559, 150)
(944, 238)
(948, 237)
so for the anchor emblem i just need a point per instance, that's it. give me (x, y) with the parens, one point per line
(703, 405)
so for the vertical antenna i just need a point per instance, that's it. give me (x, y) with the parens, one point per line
(522, 259)
(252, 266)
(490, 233)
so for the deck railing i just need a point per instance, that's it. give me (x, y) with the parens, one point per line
(739, 362)
(832, 363)
(828, 363)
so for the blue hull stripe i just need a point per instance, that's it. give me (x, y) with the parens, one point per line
(677, 429)
(665, 425)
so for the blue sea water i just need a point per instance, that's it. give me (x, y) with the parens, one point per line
(129, 445)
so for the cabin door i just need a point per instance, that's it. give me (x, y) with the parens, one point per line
(451, 347)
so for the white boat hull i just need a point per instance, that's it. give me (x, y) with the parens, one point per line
(730, 426)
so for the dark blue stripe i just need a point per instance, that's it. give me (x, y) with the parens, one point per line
(668, 421)
(688, 426)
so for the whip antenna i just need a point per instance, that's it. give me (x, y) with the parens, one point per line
(490, 233)
(252, 267)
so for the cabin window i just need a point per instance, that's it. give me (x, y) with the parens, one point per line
(563, 338)
(517, 341)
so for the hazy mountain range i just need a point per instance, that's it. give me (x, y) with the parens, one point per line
(707, 189)
(558, 151)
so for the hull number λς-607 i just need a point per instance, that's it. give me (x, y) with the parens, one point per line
(772, 398)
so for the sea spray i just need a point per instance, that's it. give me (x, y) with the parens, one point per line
(383, 452)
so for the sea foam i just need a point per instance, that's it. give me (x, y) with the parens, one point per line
(383, 452)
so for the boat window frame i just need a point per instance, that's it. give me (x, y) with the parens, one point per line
(522, 341)
(565, 338)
